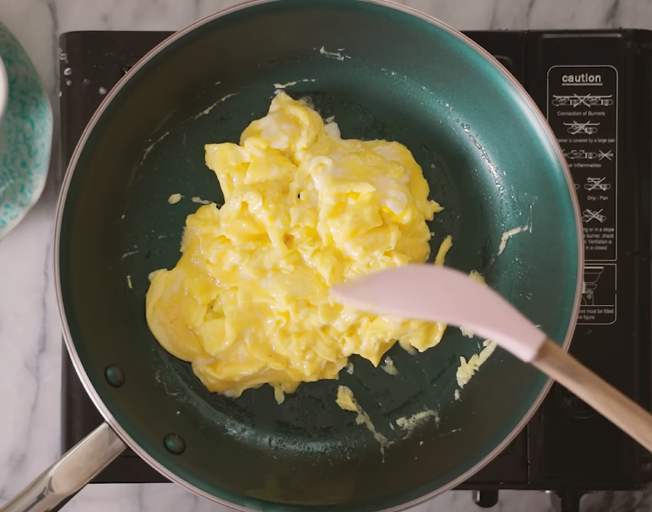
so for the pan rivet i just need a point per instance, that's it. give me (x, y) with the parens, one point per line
(115, 375)
(174, 443)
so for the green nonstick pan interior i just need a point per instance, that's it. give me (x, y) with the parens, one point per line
(383, 73)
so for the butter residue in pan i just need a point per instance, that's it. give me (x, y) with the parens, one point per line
(347, 401)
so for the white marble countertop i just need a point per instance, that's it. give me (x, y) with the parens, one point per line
(30, 339)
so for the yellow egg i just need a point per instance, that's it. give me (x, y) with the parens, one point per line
(248, 304)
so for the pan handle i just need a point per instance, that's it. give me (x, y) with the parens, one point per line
(70, 473)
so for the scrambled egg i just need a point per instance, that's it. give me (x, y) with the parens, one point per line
(347, 401)
(389, 366)
(174, 198)
(416, 419)
(467, 369)
(248, 302)
(443, 250)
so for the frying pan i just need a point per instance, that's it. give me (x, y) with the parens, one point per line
(384, 71)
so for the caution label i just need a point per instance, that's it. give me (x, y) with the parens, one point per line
(599, 295)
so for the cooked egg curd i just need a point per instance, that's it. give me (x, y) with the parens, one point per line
(248, 302)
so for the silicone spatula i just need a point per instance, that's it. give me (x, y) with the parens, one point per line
(439, 294)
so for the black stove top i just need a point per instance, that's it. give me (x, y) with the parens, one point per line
(596, 89)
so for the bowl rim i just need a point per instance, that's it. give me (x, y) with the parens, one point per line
(4, 89)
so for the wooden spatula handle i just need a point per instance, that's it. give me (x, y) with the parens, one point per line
(604, 398)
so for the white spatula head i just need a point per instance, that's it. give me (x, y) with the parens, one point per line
(439, 294)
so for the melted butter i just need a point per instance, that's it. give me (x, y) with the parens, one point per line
(248, 302)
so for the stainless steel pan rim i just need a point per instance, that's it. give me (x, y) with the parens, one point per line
(64, 191)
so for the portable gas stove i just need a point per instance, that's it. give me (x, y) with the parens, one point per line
(596, 89)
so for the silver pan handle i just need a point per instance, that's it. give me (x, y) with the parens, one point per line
(70, 473)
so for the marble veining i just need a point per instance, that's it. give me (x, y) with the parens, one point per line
(30, 339)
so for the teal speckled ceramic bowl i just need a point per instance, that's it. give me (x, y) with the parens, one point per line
(25, 134)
